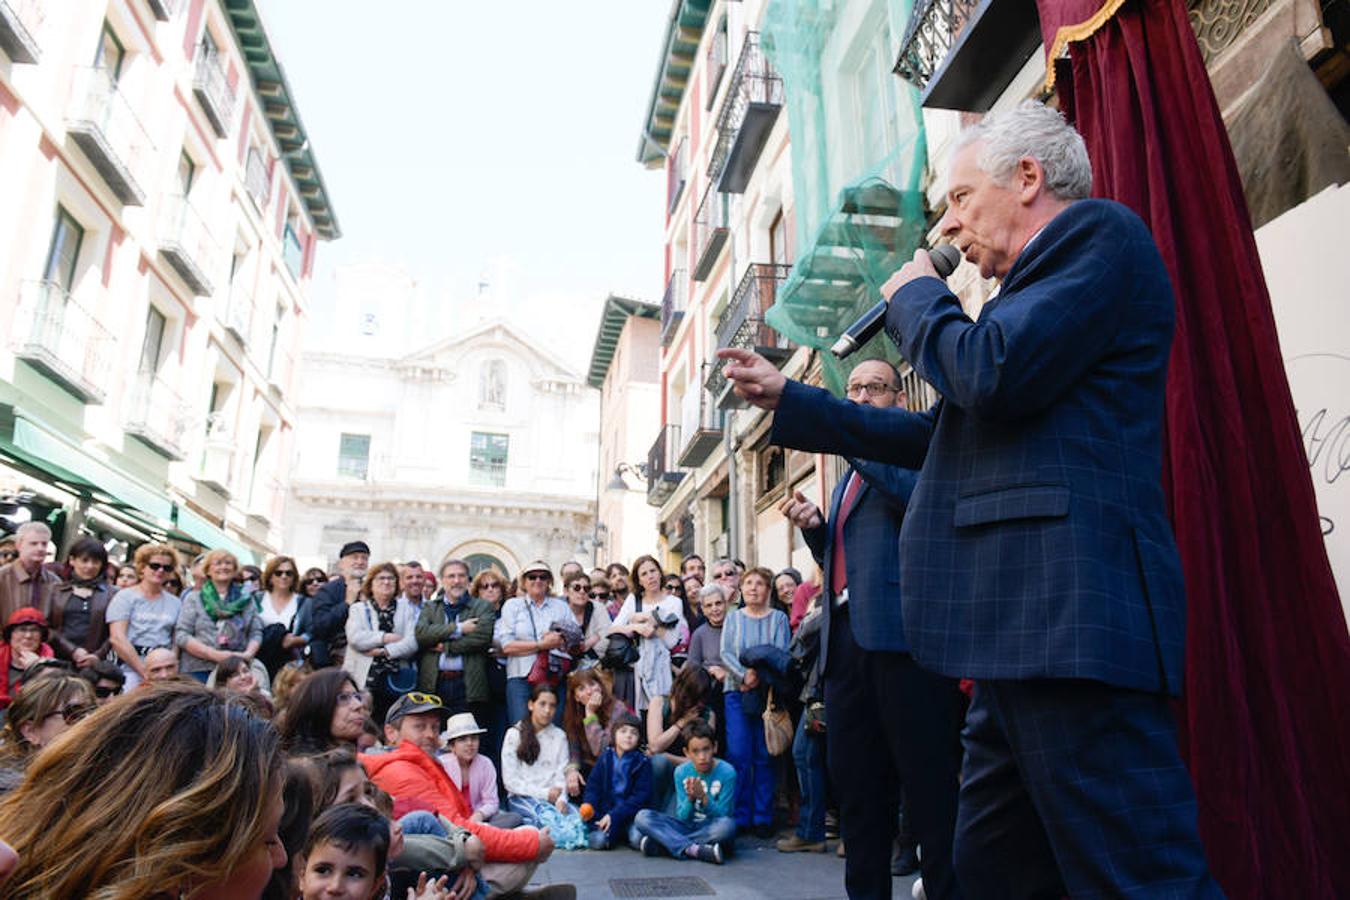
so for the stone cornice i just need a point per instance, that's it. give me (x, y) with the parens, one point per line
(410, 497)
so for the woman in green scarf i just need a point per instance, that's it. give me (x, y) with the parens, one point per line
(219, 621)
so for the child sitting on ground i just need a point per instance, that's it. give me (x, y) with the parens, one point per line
(347, 851)
(705, 786)
(620, 784)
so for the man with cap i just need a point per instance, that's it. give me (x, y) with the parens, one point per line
(323, 620)
(524, 631)
(411, 775)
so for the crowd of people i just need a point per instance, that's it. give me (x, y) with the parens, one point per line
(388, 727)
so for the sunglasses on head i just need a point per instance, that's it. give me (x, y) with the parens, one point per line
(73, 712)
(160, 567)
(419, 698)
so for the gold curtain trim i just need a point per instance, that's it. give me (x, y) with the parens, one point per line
(1067, 34)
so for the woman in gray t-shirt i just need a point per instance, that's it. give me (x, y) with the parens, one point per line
(142, 617)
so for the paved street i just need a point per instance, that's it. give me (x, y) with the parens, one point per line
(756, 871)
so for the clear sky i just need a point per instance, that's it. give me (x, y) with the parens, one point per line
(458, 138)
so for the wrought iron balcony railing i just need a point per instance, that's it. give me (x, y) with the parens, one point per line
(19, 24)
(256, 180)
(933, 28)
(102, 123)
(711, 227)
(59, 337)
(701, 422)
(188, 246)
(754, 98)
(742, 322)
(662, 475)
(673, 305)
(158, 416)
(213, 89)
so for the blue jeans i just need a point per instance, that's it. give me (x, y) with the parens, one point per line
(663, 784)
(419, 821)
(808, 752)
(676, 835)
(747, 752)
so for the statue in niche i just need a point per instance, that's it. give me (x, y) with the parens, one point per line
(492, 385)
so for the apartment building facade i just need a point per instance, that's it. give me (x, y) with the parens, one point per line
(163, 210)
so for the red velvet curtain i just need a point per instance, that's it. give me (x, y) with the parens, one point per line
(1265, 721)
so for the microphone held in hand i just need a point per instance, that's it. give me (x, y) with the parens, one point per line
(945, 259)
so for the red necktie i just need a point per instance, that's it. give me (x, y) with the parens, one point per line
(838, 572)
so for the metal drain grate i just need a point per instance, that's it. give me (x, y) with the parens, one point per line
(684, 886)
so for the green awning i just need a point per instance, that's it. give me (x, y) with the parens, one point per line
(209, 536)
(39, 450)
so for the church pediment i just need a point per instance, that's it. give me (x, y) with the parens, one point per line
(449, 354)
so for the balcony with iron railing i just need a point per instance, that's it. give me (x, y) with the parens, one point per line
(293, 252)
(662, 474)
(103, 125)
(187, 245)
(742, 324)
(711, 227)
(963, 54)
(701, 422)
(216, 470)
(256, 180)
(19, 24)
(673, 304)
(158, 417)
(754, 98)
(212, 88)
(62, 339)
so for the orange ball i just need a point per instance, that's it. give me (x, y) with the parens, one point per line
(587, 812)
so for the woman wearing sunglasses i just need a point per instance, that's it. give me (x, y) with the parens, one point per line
(592, 617)
(280, 603)
(142, 617)
(314, 579)
(44, 710)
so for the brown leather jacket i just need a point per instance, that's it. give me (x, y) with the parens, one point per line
(96, 640)
(16, 590)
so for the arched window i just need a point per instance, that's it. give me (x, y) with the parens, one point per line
(492, 385)
(480, 561)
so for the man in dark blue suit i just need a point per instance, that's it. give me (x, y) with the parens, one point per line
(891, 723)
(1036, 556)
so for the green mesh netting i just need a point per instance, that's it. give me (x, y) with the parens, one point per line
(858, 160)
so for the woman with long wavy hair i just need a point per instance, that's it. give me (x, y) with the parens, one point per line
(590, 707)
(172, 790)
(46, 708)
(325, 711)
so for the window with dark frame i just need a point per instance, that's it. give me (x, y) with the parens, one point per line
(152, 347)
(110, 54)
(354, 456)
(64, 253)
(487, 458)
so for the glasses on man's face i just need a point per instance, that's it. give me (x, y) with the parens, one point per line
(160, 567)
(73, 712)
(103, 693)
(536, 576)
(581, 586)
(599, 595)
(731, 573)
(872, 389)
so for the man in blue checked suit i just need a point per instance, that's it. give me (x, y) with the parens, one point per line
(1036, 556)
(891, 723)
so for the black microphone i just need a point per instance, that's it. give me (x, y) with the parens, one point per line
(945, 259)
